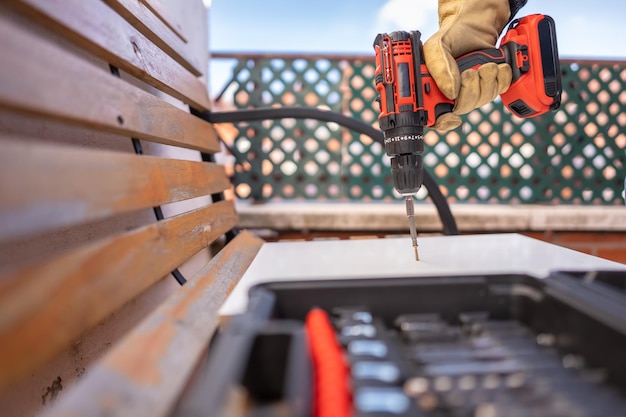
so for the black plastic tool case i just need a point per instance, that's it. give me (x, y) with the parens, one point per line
(479, 346)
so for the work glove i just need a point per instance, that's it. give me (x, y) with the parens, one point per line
(466, 26)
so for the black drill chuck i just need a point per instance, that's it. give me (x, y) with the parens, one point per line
(407, 173)
(404, 143)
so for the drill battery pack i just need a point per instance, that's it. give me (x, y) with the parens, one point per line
(536, 86)
(471, 346)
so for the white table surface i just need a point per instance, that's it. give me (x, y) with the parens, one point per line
(393, 257)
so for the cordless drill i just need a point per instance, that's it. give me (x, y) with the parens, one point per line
(410, 99)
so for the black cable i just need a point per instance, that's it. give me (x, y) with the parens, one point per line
(443, 209)
(158, 212)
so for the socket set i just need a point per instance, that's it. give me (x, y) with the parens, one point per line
(454, 346)
(424, 365)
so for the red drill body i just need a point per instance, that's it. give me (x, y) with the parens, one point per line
(410, 99)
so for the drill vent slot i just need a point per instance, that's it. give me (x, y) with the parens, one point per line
(520, 108)
(551, 88)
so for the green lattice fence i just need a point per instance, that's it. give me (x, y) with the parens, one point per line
(574, 155)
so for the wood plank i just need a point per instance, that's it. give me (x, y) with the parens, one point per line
(159, 11)
(43, 76)
(117, 42)
(153, 28)
(45, 187)
(46, 306)
(389, 217)
(146, 372)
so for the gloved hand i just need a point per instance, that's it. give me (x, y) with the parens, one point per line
(466, 26)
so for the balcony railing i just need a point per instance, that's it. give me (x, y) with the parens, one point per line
(574, 155)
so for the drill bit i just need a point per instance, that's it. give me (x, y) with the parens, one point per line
(410, 213)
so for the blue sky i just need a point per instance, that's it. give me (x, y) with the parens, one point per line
(584, 28)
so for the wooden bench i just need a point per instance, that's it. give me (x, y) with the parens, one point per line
(108, 192)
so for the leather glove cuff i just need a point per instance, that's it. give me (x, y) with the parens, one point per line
(515, 5)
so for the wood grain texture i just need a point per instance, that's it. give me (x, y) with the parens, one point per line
(99, 29)
(159, 11)
(43, 77)
(153, 28)
(146, 372)
(45, 187)
(46, 306)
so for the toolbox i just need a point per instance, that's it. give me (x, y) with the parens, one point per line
(475, 346)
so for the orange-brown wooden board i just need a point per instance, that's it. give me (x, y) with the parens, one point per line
(44, 187)
(152, 27)
(46, 80)
(46, 306)
(146, 372)
(99, 29)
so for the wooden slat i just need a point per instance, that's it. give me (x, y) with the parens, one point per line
(44, 307)
(146, 372)
(99, 29)
(142, 18)
(45, 187)
(159, 11)
(43, 78)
